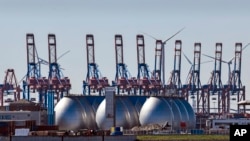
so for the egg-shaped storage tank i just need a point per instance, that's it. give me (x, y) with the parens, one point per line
(76, 112)
(164, 110)
(126, 115)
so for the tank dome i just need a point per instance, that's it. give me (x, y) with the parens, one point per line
(126, 114)
(163, 110)
(73, 113)
(79, 112)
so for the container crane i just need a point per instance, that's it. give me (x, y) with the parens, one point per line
(59, 86)
(34, 82)
(229, 88)
(94, 81)
(123, 80)
(148, 84)
(10, 87)
(226, 88)
(237, 87)
(143, 75)
(57, 82)
(158, 61)
(162, 59)
(174, 85)
(214, 86)
(193, 83)
(157, 73)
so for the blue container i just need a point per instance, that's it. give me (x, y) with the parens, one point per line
(116, 133)
(197, 132)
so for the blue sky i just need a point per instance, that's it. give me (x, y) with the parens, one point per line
(207, 22)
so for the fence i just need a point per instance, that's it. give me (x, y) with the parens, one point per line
(181, 131)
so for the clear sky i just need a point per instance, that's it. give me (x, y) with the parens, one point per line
(207, 22)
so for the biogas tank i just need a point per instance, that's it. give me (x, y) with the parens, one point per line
(77, 112)
(164, 110)
(125, 113)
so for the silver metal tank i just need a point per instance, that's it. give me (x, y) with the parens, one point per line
(163, 110)
(79, 112)
(76, 112)
(126, 114)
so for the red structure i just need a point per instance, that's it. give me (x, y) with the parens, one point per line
(147, 83)
(10, 87)
(213, 88)
(235, 80)
(57, 82)
(94, 81)
(59, 85)
(192, 87)
(174, 85)
(123, 80)
(34, 82)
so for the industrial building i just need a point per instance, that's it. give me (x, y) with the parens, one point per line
(24, 110)
(40, 117)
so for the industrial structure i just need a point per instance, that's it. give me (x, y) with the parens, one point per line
(137, 101)
(129, 111)
(59, 85)
(10, 87)
(51, 88)
(192, 86)
(232, 90)
(147, 83)
(157, 73)
(24, 110)
(34, 81)
(94, 82)
(174, 83)
(124, 82)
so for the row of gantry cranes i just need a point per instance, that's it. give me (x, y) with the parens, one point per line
(153, 83)
(56, 86)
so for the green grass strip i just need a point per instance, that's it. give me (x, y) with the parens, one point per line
(183, 137)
